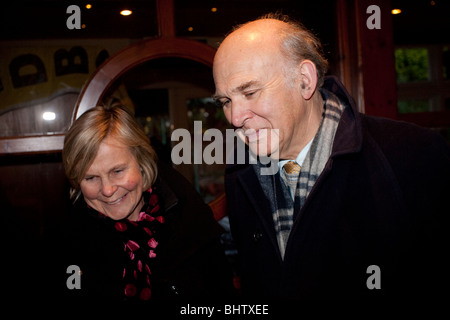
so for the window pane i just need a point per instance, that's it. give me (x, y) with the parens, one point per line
(411, 64)
(416, 105)
(208, 178)
(45, 117)
(446, 62)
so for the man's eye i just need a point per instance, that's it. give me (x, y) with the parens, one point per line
(223, 103)
(249, 94)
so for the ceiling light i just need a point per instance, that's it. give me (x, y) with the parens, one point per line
(88, 6)
(396, 11)
(213, 9)
(126, 12)
(49, 116)
(190, 29)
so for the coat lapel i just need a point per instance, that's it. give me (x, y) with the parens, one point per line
(252, 188)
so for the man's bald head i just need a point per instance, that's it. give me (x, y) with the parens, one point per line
(293, 40)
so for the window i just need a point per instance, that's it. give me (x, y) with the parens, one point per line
(423, 81)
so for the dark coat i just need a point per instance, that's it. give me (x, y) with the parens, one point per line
(381, 200)
(190, 264)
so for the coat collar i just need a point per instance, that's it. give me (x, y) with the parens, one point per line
(166, 195)
(348, 138)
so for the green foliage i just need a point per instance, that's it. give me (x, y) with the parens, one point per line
(411, 64)
(409, 106)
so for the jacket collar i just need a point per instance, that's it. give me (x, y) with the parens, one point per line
(348, 138)
(167, 197)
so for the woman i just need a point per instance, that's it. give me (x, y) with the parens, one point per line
(138, 230)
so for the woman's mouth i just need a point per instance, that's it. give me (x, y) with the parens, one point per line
(111, 203)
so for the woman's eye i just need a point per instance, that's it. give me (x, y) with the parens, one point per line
(89, 178)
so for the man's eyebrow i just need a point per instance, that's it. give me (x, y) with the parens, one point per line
(241, 88)
(245, 86)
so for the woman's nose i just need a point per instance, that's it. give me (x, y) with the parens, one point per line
(108, 188)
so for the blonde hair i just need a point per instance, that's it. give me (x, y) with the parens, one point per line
(90, 129)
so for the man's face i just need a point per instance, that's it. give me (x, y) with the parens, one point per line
(251, 84)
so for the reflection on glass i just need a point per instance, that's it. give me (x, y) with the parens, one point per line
(411, 64)
(414, 105)
(42, 118)
(446, 62)
(208, 178)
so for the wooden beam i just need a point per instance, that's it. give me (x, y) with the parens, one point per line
(377, 60)
(166, 18)
(32, 144)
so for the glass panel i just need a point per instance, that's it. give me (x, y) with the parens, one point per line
(414, 105)
(446, 62)
(208, 178)
(50, 117)
(411, 64)
(40, 83)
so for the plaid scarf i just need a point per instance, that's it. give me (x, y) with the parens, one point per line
(284, 209)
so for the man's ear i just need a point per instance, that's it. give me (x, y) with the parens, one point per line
(308, 78)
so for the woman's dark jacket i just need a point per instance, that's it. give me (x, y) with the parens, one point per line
(190, 263)
(381, 201)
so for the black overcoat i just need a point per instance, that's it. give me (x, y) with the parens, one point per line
(380, 205)
(190, 263)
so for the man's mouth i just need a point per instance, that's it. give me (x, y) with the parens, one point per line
(253, 135)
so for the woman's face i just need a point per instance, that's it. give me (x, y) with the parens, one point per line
(113, 184)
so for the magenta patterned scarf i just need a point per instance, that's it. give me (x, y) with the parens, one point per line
(139, 246)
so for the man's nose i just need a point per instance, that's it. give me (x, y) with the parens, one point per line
(108, 188)
(239, 114)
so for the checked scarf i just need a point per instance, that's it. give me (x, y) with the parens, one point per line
(284, 209)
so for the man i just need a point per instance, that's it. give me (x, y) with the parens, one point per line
(362, 212)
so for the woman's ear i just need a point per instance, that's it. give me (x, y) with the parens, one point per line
(308, 78)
